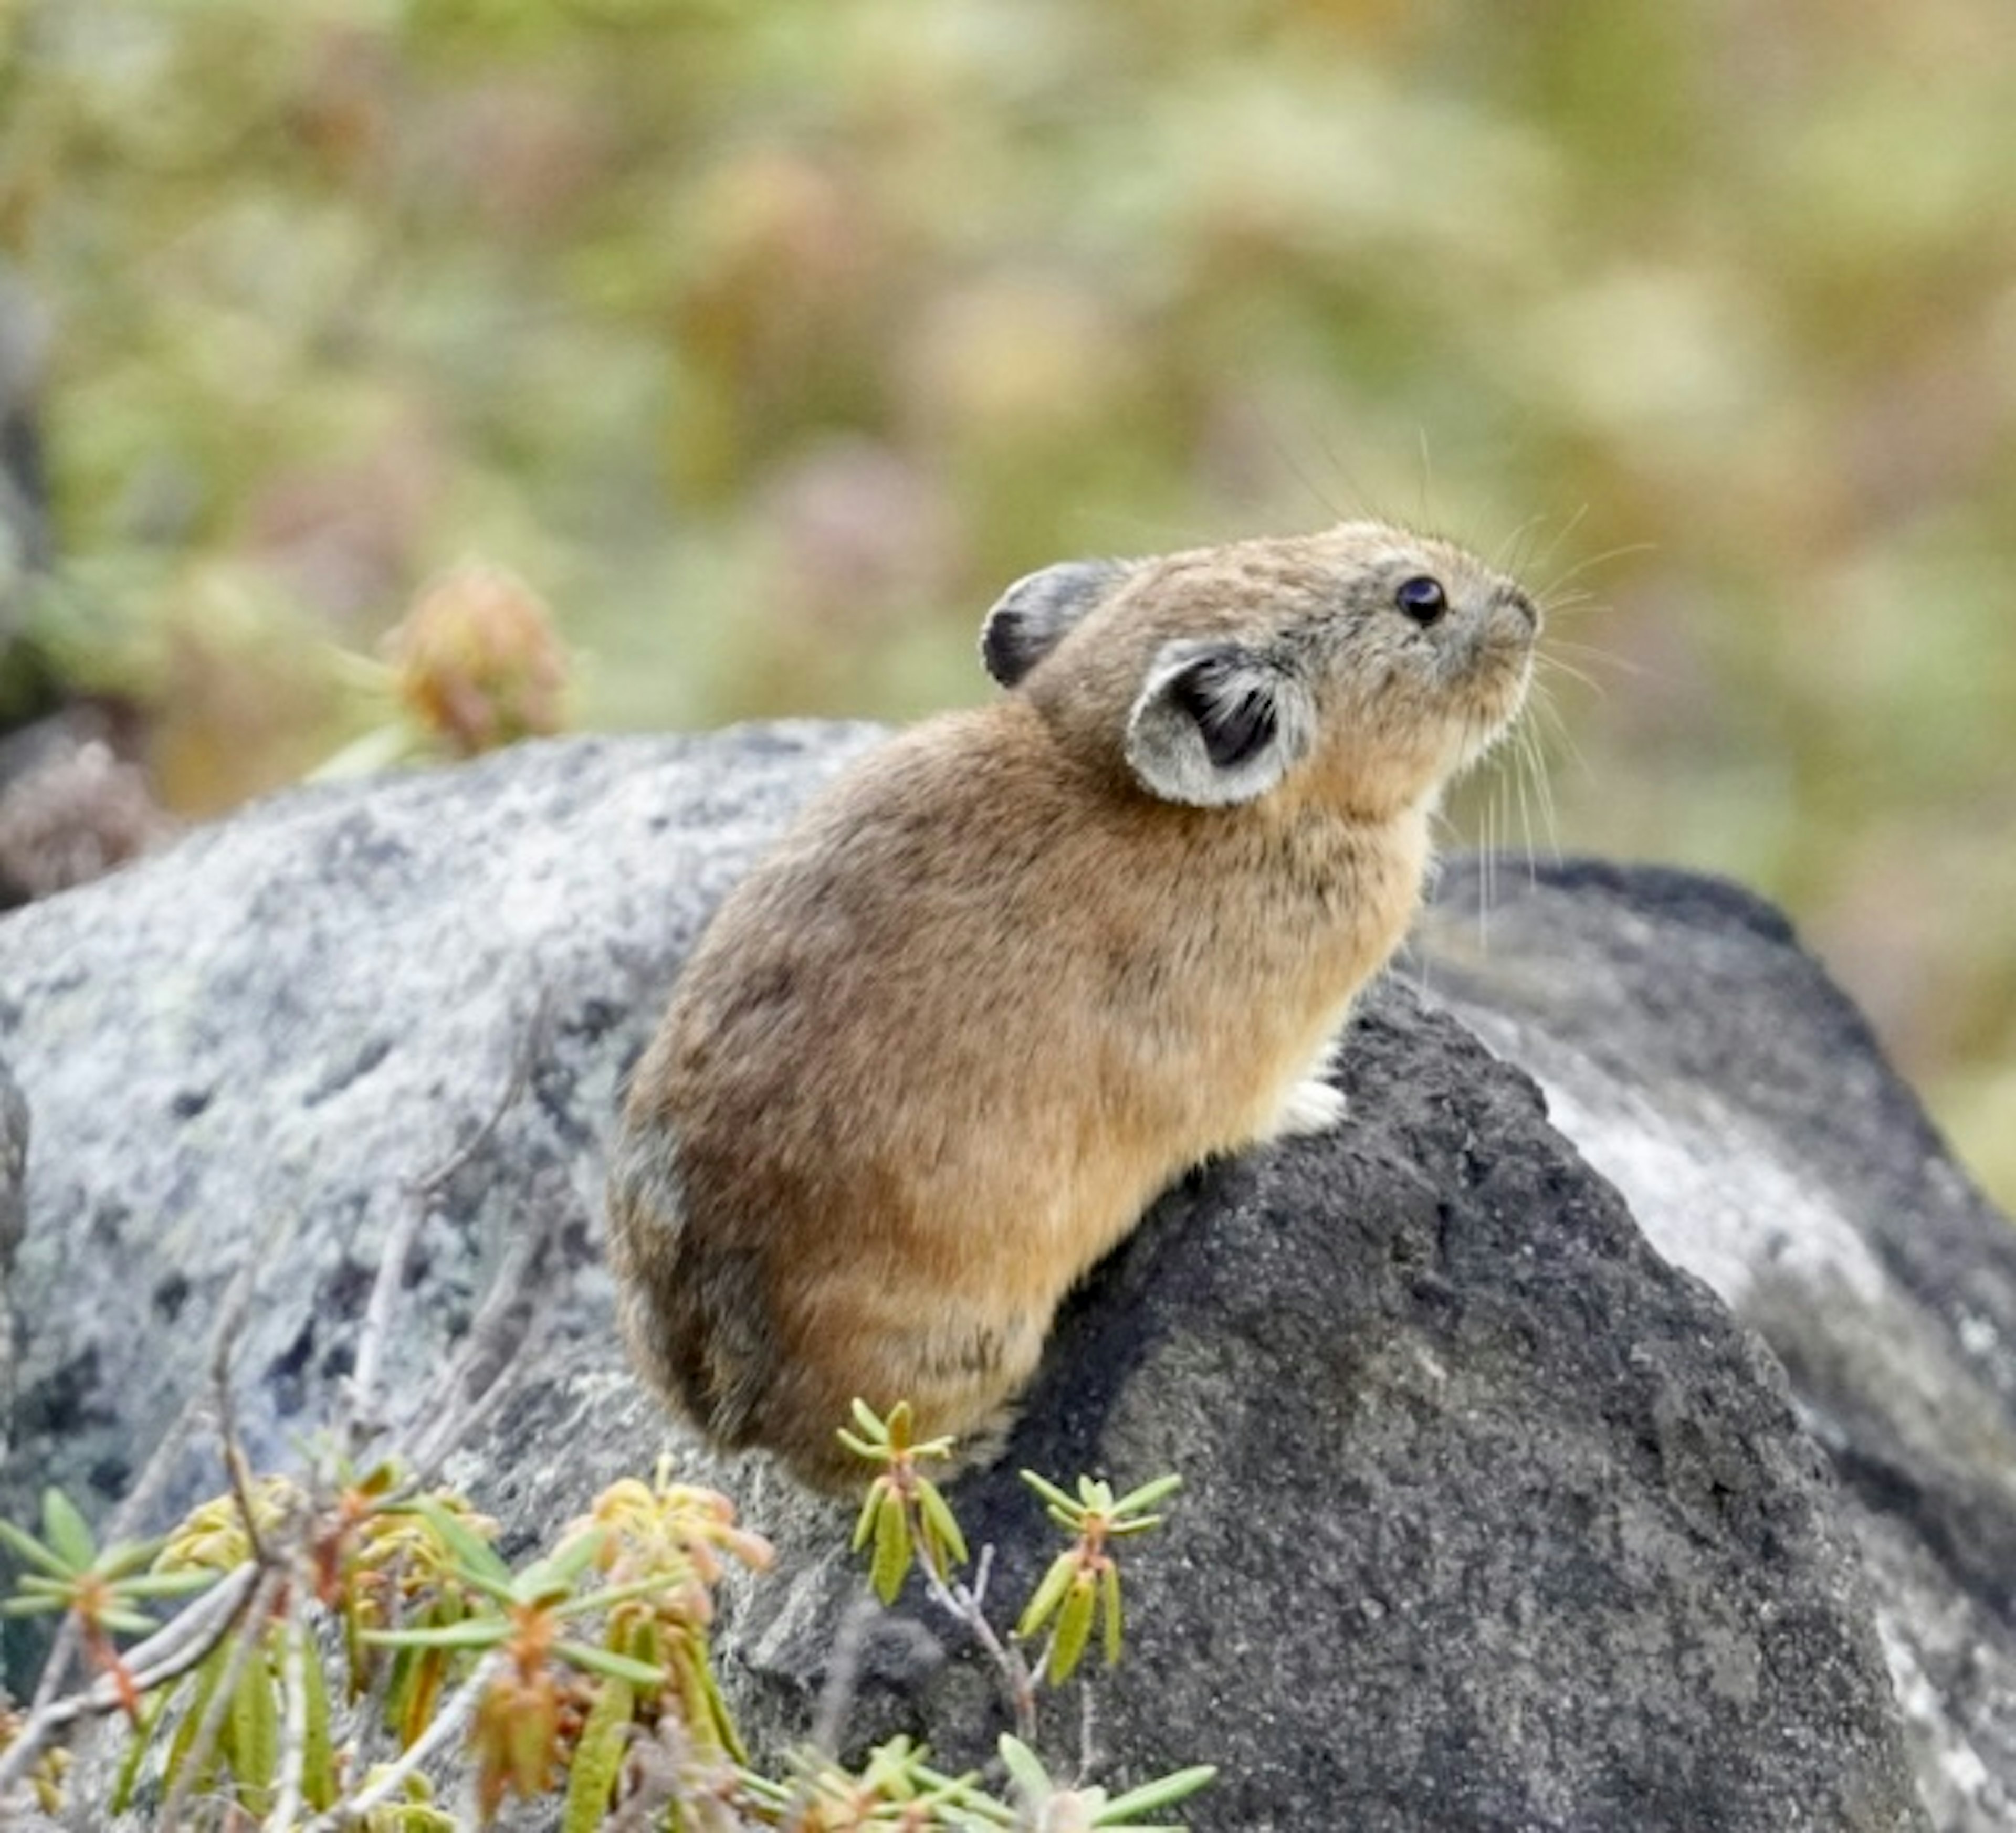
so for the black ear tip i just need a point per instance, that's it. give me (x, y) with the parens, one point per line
(1038, 612)
(1000, 650)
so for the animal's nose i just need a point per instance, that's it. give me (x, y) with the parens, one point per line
(1511, 597)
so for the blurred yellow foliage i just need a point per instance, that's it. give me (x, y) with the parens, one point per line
(766, 343)
(477, 662)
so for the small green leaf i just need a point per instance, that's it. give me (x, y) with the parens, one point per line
(1109, 1598)
(125, 1556)
(253, 1734)
(33, 1606)
(1148, 1495)
(27, 1548)
(891, 1557)
(318, 1779)
(1153, 1796)
(960, 1798)
(1028, 1775)
(598, 1758)
(766, 1789)
(1074, 1628)
(707, 1710)
(137, 1746)
(607, 1661)
(1051, 1494)
(418, 1675)
(475, 1555)
(127, 1622)
(864, 1526)
(546, 1580)
(1048, 1595)
(478, 1632)
(940, 1525)
(66, 1531)
(872, 1427)
(656, 1585)
(644, 1642)
(1138, 1524)
(208, 1675)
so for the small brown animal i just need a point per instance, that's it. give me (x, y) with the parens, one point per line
(1022, 967)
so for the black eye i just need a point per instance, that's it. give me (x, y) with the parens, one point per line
(1422, 598)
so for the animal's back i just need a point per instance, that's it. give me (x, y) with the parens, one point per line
(834, 1127)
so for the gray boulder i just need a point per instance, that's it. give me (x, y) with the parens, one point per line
(242, 1051)
(13, 1220)
(1703, 1062)
(1492, 1518)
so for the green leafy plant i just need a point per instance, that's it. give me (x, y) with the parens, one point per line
(1049, 1807)
(905, 1513)
(1083, 1582)
(586, 1672)
(895, 1787)
(102, 1589)
(539, 1682)
(552, 1703)
(363, 1556)
(906, 1521)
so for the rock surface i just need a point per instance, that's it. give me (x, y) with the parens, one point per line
(1492, 1518)
(1705, 1064)
(246, 1050)
(13, 1220)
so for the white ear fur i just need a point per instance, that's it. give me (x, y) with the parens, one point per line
(1216, 723)
(1033, 616)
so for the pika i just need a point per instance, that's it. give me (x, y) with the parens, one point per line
(1021, 967)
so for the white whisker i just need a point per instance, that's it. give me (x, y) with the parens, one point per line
(1547, 593)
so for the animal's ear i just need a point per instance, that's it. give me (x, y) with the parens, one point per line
(1031, 617)
(1218, 723)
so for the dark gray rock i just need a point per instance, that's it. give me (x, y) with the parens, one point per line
(1706, 1065)
(1492, 1518)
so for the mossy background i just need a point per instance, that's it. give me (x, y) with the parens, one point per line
(766, 341)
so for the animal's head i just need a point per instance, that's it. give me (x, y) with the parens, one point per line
(1364, 666)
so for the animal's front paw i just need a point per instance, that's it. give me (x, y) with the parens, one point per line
(1312, 1107)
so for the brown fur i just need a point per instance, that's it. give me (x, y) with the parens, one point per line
(937, 1053)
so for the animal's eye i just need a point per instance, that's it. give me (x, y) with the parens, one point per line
(1422, 598)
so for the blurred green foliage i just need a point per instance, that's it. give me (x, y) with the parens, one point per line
(768, 341)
